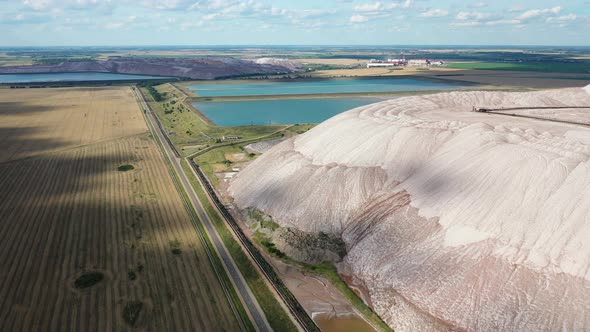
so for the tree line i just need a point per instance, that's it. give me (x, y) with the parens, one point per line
(153, 92)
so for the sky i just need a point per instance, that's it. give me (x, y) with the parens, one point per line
(300, 22)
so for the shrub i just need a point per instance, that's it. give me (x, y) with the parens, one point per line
(131, 312)
(125, 168)
(175, 245)
(88, 279)
(272, 248)
(155, 94)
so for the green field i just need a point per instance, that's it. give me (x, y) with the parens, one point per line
(554, 67)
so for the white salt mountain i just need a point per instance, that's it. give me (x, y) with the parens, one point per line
(452, 219)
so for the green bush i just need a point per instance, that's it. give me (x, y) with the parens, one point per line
(131, 312)
(125, 168)
(175, 245)
(88, 279)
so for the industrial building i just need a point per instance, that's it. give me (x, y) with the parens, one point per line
(404, 63)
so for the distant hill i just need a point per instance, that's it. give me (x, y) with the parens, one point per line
(199, 68)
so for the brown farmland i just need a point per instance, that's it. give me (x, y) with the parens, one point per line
(67, 211)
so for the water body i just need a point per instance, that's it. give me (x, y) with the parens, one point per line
(314, 87)
(285, 111)
(70, 77)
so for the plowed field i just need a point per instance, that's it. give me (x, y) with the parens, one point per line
(85, 246)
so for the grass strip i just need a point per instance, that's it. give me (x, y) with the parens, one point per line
(278, 319)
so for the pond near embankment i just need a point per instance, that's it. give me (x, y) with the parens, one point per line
(72, 77)
(274, 106)
(362, 85)
(279, 111)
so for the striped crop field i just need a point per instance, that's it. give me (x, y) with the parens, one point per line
(94, 235)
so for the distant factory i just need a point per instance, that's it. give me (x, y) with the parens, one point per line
(404, 63)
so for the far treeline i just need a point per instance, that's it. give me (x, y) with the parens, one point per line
(57, 61)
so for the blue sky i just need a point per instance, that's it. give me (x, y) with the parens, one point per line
(278, 22)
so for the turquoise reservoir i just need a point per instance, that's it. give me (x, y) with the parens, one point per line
(315, 87)
(285, 111)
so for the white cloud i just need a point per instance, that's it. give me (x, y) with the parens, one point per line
(562, 19)
(121, 24)
(526, 16)
(169, 4)
(503, 22)
(370, 7)
(435, 13)
(466, 24)
(486, 23)
(407, 3)
(77, 22)
(514, 9)
(114, 25)
(309, 13)
(379, 8)
(227, 14)
(534, 13)
(43, 5)
(210, 17)
(37, 4)
(478, 5)
(25, 18)
(358, 19)
(472, 16)
(376, 9)
(263, 11)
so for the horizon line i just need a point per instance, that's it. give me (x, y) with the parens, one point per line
(296, 45)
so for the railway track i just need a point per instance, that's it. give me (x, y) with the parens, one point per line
(250, 303)
(290, 301)
(297, 311)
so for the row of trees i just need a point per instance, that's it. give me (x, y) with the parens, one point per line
(56, 61)
(153, 92)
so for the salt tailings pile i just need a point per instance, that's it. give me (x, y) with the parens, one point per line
(452, 219)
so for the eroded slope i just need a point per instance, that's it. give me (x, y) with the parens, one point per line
(452, 219)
